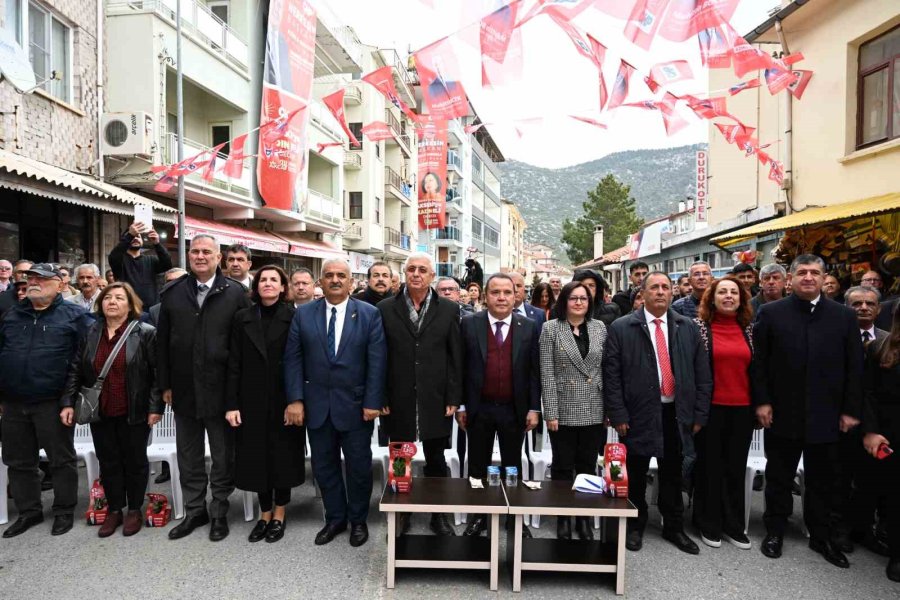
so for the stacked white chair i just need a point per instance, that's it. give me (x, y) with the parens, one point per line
(162, 448)
(540, 461)
(4, 481)
(756, 461)
(84, 449)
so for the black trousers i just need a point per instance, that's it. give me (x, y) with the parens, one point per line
(26, 429)
(855, 495)
(494, 420)
(722, 448)
(189, 438)
(281, 496)
(435, 463)
(122, 454)
(671, 504)
(575, 450)
(350, 500)
(820, 465)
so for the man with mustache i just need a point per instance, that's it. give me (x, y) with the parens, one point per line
(378, 286)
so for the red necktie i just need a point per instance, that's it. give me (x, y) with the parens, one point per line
(662, 356)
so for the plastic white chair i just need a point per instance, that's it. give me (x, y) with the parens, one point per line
(4, 481)
(540, 461)
(801, 473)
(495, 460)
(756, 461)
(84, 449)
(162, 448)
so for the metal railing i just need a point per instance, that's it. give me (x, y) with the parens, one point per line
(454, 160)
(352, 159)
(446, 270)
(342, 33)
(325, 208)
(196, 20)
(392, 178)
(352, 93)
(240, 186)
(353, 231)
(322, 117)
(392, 122)
(395, 238)
(448, 233)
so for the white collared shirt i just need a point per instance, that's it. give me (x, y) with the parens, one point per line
(815, 302)
(88, 303)
(208, 282)
(665, 329)
(504, 331)
(521, 310)
(870, 331)
(338, 322)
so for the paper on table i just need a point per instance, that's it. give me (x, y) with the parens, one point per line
(532, 485)
(476, 483)
(589, 483)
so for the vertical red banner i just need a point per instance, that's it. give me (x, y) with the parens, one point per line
(287, 88)
(432, 182)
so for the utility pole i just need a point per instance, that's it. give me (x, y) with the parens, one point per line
(179, 100)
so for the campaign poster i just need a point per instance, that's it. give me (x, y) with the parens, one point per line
(286, 93)
(432, 173)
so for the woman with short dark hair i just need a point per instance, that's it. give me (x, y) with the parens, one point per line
(269, 454)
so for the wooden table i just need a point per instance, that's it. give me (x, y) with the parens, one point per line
(443, 495)
(558, 498)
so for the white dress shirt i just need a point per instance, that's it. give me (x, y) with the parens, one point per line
(521, 310)
(338, 321)
(504, 331)
(815, 302)
(870, 331)
(665, 329)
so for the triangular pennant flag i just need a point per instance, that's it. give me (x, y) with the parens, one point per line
(210, 169)
(671, 72)
(335, 104)
(234, 164)
(798, 86)
(620, 87)
(716, 46)
(686, 18)
(778, 78)
(744, 85)
(383, 80)
(377, 131)
(644, 21)
(322, 146)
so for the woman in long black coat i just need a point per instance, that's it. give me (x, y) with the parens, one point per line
(269, 455)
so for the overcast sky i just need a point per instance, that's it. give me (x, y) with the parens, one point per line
(528, 118)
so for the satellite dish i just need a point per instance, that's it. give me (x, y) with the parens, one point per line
(14, 64)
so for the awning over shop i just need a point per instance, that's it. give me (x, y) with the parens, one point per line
(31, 176)
(229, 234)
(313, 249)
(813, 216)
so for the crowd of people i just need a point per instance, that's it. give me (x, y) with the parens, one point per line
(254, 362)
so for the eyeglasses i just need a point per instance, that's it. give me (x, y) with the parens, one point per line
(578, 299)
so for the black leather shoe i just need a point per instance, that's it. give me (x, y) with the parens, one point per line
(275, 531)
(440, 525)
(634, 540)
(771, 546)
(62, 524)
(831, 553)
(583, 528)
(22, 525)
(164, 474)
(359, 534)
(477, 526)
(218, 531)
(190, 523)
(329, 532)
(843, 543)
(258, 532)
(564, 528)
(871, 543)
(681, 541)
(893, 570)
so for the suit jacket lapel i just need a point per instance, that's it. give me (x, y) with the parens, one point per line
(351, 315)
(571, 347)
(403, 313)
(253, 325)
(518, 341)
(430, 315)
(320, 325)
(481, 332)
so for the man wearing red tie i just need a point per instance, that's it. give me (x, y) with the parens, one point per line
(656, 375)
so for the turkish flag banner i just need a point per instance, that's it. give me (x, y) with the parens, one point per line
(439, 75)
(432, 180)
(744, 85)
(335, 104)
(234, 164)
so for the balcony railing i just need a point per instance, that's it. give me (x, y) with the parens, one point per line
(353, 94)
(324, 208)
(448, 233)
(396, 239)
(454, 160)
(392, 122)
(446, 270)
(392, 178)
(353, 231)
(322, 117)
(352, 159)
(196, 20)
(240, 186)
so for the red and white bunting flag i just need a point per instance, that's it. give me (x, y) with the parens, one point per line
(335, 104)
(798, 86)
(494, 73)
(708, 108)
(321, 147)
(186, 167)
(234, 164)
(271, 131)
(672, 121)
(776, 172)
(500, 41)
(644, 21)
(744, 85)
(377, 131)
(565, 10)
(792, 59)
(589, 47)
(716, 45)
(651, 83)
(441, 83)
(589, 121)
(383, 80)
(620, 87)
(165, 184)
(686, 18)
(209, 171)
(735, 134)
(670, 72)
(746, 57)
(473, 128)
(778, 78)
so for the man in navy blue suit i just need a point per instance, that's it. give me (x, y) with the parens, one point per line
(334, 369)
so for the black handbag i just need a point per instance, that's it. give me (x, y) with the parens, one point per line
(87, 403)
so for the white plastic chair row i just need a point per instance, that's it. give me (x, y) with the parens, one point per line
(756, 461)
(162, 448)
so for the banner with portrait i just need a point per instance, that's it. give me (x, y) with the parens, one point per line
(432, 173)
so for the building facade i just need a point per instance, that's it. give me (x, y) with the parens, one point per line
(512, 238)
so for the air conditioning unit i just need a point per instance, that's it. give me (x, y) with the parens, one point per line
(127, 134)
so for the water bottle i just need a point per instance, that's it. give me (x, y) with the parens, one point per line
(493, 476)
(512, 476)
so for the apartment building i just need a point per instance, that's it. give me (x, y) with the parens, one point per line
(512, 238)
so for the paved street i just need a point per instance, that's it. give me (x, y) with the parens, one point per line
(79, 565)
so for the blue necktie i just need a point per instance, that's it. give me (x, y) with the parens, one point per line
(331, 337)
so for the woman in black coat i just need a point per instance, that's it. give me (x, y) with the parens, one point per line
(269, 454)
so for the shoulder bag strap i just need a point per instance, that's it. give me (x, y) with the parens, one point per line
(115, 352)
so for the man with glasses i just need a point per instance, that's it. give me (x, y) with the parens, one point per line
(10, 298)
(700, 275)
(448, 288)
(6, 271)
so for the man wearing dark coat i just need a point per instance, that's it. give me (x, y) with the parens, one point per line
(192, 339)
(807, 390)
(378, 284)
(656, 376)
(424, 370)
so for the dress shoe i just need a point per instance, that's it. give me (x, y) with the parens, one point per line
(893, 570)
(583, 528)
(164, 474)
(478, 525)
(22, 525)
(564, 528)
(440, 525)
(134, 520)
(681, 541)
(738, 539)
(831, 553)
(190, 523)
(843, 543)
(112, 522)
(870, 542)
(771, 546)
(634, 540)
(329, 532)
(275, 531)
(62, 524)
(359, 534)
(258, 532)
(403, 523)
(218, 530)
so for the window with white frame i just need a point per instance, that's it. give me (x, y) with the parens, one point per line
(220, 8)
(48, 41)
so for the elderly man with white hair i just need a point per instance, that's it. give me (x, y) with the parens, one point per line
(87, 277)
(424, 369)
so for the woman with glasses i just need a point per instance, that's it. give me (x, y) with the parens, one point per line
(571, 355)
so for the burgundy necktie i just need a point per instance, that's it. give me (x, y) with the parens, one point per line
(498, 335)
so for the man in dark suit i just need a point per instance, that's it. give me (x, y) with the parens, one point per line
(883, 320)
(424, 370)
(192, 347)
(503, 386)
(523, 308)
(334, 369)
(807, 389)
(656, 374)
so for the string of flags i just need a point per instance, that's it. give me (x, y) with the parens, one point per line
(500, 44)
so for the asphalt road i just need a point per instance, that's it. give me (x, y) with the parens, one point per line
(149, 566)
